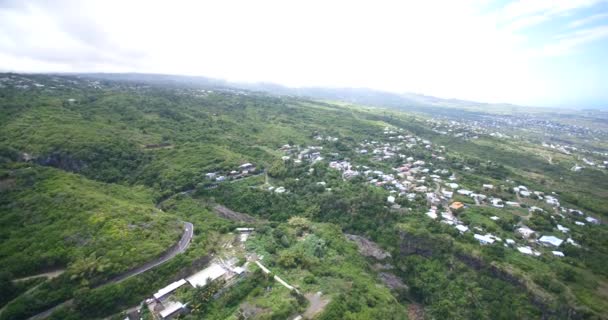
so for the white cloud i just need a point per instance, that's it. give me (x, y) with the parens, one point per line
(567, 42)
(587, 20)
(442, 48)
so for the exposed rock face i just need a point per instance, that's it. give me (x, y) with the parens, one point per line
(368, 248)
(392, 281)
(428, 245)
(422, 244)
(61, 161)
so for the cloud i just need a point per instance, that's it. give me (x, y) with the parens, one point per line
(567, 42)
(459, 49)
(587, 20)
(39, 31)
(522, 8)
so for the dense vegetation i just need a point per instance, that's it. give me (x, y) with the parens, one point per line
(97, 176)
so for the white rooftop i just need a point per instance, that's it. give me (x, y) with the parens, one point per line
(170, 309)
(168, 289)
(462, 228)
(483, 239)
(200, 279)
(554, 241)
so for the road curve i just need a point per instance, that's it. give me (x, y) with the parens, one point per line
(174, 250)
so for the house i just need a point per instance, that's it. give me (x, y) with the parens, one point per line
(525, 232)
(457, 205)
(528, 250)
(572, 242)
(447, 194)
(535, 209)
(578, 223)
(478, 196)
(483, 239)
(203, 277)
(562, 228)
(390, 199)
(495, 218)
(421, 189)
(558, 253)
(592, 220)
(550, 240)
(552, 201)
(171, 310)
(210, 175)
(497, 203)
(462, 228)
(464, 192)
(512, 204)
(246, 166)
(162, 293)
(488, 187)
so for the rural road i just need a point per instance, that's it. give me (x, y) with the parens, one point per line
(174, 250)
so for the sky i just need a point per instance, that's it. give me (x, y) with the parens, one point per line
(534, 52)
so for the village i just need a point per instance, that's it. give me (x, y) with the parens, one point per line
(430, 180)
(232, 264)
(419, 179)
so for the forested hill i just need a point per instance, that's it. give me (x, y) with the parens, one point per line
(98, 175)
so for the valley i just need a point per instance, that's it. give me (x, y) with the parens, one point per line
(306, 206)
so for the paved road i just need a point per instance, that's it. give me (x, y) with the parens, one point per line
(176, 249)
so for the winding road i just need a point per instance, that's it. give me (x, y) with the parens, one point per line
(173, 251)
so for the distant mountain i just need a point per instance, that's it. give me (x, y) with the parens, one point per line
(402, 101)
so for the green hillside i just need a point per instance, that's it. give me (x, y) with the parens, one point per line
(97, 177)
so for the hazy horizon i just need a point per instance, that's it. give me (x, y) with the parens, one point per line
(529, 53)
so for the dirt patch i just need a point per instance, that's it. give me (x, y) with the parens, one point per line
(316, 304)
(7, 184)
(250, 311)
(392, 281)
(233, 215)
(368, 248)
(415, 311)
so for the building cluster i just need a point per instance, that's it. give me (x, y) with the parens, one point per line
(165, 304)
(241, 171)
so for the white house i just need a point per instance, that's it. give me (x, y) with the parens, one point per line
(497, 203)
(550, 240)
(203, 277)
(464, 192)
(592, 220)
(525, 232)
(528, 250)
(483, 239)
(562, 228)
(462, 228)
(168, 289)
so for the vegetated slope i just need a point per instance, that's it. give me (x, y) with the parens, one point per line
(168, 138)
(52, 219)
(110, 134)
